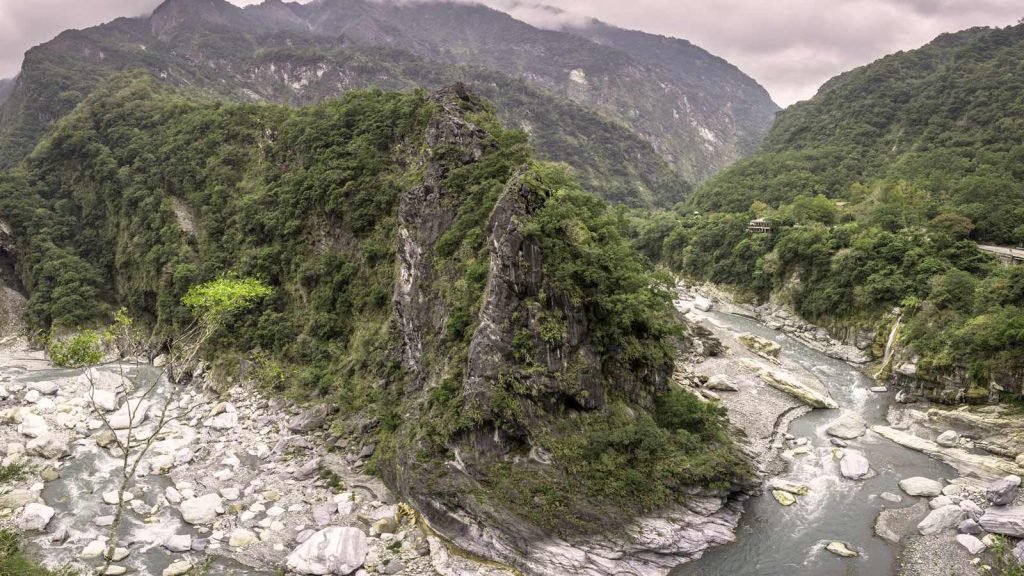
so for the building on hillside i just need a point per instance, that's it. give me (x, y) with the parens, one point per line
(760, 226)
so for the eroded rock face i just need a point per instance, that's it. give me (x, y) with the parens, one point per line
(1003, 491)
(1005, 520)
(333, 550)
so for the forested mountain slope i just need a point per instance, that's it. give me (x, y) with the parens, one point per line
(636, 131)
(878, 188)
(452, 296)
(947, 118)
(6, 85)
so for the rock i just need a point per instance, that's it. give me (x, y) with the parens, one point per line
(105, 400)
(1018, 552)
(854, 465)
(114, 570)
(973, 510)
(722, 383)
(32, 425)
(841, 549)
(791, 487)
(394, 567)
(304, 535)
(333, 550)
(223, 421)
(240, 538)
(93, 549)
(16, 498)
(879, 389)
(32, 396)
(172, 495)
(45, 388)
(179, 543)
(703, 304)
(968, 526)
(111, 497)
(322, 513)
(760, 346)
(838, 443)
(787, 384)
(1005, 520)
(48, 446)
(35, 517)
(160, 361)
(892, 524)
(783, 497)
(1003, 491)
(918, 486)
(941, 519)
(49, 474)
(848, 427)
(311, 419)
(119, 554)
(949, 439)
(890, 497)
(202, 510)
(178, 568)
(132, 413)
(973, 545)
(940, 501)
(230, 493)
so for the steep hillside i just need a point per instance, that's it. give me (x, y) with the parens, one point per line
(878, 188)
(6, 85)
(601, 109)
(455, 299)
(947, 118)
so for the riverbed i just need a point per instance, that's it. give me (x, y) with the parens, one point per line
(773, 539)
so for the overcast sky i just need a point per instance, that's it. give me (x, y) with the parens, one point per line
(790, 46)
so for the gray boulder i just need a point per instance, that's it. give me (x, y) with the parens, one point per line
(941, 519)
(968, 527)
(311, 419)
(131, 414)
(973, 545)
(973, 510)
(202, 510)
(892, 524)
(1005, 520)
(918, 486)
(948, 439)
(333, 550)
(1003, 491)
(854, 465)
(848, 427)
(722, 383)
(35, 517)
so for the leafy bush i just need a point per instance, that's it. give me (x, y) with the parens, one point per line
(82, 349)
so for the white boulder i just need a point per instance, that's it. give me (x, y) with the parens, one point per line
(333, 550)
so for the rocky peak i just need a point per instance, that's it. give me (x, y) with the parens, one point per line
(173, 15)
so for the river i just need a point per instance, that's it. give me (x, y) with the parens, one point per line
(776, 540)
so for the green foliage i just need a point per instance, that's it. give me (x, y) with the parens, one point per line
(82, 349)
(217, 300)
(14, 562)
(12, 473)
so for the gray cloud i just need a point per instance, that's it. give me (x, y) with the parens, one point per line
(790, 46)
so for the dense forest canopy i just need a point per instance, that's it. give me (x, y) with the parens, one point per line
(879, 187)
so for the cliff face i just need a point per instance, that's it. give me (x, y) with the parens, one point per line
(636, 126)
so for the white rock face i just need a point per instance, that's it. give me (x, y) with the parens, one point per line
(854, 465)
(32, 425)
(333, 550)
(35, 517)
(133, 413)
(202, 510)
(941, 519)
(918, 486)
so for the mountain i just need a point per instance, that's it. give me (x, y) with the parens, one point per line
(635, 131)
(455, 299)
(946, 117)
(6, 85)
(879, 189)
